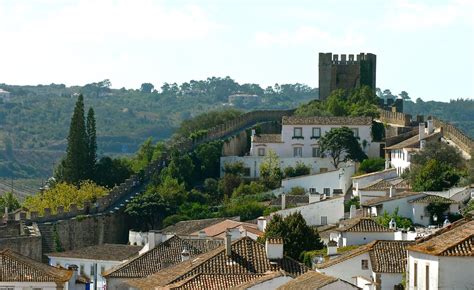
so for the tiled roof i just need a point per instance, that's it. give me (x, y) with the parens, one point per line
(457, 239)
(247, 257)
(379, 200)
(309, 280)
(164, 255)
(363, 224)
(389, 256)
(413, 142)
(432, 198)
(291, 200)
(343, 121)
(220, 228)
(189, 227)
(373, 173)
(267, 138)
(214, 281)
(17, 268)
(266, 277)
(385, 256)
(105, 252)
(385, 184)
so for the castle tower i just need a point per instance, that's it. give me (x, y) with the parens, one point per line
(346, 72)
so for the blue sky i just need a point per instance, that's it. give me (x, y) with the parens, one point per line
(423, 47)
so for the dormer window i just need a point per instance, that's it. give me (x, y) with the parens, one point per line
(298, 133)
(316, 133)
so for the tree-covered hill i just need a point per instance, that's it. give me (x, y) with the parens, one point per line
(36, 118)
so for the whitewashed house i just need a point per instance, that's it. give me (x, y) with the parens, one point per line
(382, 187)
(360, 231)
(361, 181)
(19, 272)
(317, 209)
(94, 260)
(376, 265)
(444, 260)
(298, 142)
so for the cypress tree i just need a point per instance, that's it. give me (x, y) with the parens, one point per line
(75, 164)
(91, 143)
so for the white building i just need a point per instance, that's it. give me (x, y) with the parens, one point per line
(319, 210)
(19, 272)
(382, 187)
(94, 260)
(361, 181)
(360, 231)
(298, 142)
(380, 263)
(444, 260)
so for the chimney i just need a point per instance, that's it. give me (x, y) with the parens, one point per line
(332, 248)
(261, 223)
(283, 201)
(421, 131)
(391, 192)
(392, 224)
(202, 234)
(154, 238)
(234, 233)
(314, 197)
(185, 255)
(274, 248)
(429, 124)
(387, 163)
(352, 211)
(228, 243)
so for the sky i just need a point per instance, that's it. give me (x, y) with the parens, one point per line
(423, 47)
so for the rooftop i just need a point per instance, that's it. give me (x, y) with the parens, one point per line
(385, 256)
(215, 281)
(457, 239)
(374, 173)
(396, 196)
(220, 228)
(317, 120)
(267, 138)
(248, 257)
(385, 184)
(104, 252)
(164, 255)
(413, 142)
(432, 198)
(189, 227)
(309, 280)
(18, 268)
(362, 224)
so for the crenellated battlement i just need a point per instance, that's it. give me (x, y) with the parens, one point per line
(344, 59)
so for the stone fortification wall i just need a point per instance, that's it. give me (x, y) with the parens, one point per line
(457, 136)
(396, 118)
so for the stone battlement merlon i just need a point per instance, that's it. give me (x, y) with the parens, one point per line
(343, 59)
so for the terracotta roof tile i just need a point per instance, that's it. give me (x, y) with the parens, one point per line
(220, 228)
(373, 173)
(389, 256)
(309, 280)
(413, 142)
(106, 252)
(214, 281)
(248, 257)
(164, 255)
(363, 224)
(189, 227)
(291, 200)
(385, 184)
(17, 268)
(267, 138)
(432, 198)
(379, 200)
(316, 120)
(457, 239)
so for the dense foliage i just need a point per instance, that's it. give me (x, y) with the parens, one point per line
(297, 236)
(340, 145)
(298, 170)
(270, 172)
(371, 165)
(9, 201)
(401, 222)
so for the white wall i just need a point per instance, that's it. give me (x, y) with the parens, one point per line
(271, 284)
(30, 285)
(456, 273)
(117, 284)
(347, 270)
(364, 180)
(390, 279)
(400, 159)
(366, 195)
(332, 208)
(336, 179)
(362, 238)
(422, 260)
(405, 208)
(339, 285)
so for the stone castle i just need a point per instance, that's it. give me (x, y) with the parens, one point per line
(346, 72)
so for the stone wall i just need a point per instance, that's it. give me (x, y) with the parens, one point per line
(457, 136)
(29, 246)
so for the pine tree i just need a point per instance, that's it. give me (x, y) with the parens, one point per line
(75, 164)
(91, 144)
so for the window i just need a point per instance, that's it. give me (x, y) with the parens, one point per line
(316, 152)
(297, 151)
(297, 133)
(81, 269)
(365, 264)
(355, 131)
(415, 274)
(324, 220)
(247, 171)
(261, 151)
(427, 277)
(92, 270)
(316, 133)
(327, 191)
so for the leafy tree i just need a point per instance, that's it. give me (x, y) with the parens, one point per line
(180, 167)
(385, 218)
(111, 172)
(172, 191)
(297, 190)
(433, 176)
(236, 168)
(147, 209)
(442, 152)
(299, 170)
(438, 209)
(372, 165)
(248, 189)
(247, 209)
(208, 156)
(228, 183)
(296, 234)
(341, 145)
(75, 165)
(147, 88)
(270, 172)
(8, 200)
(404, 95)
(91, 143)
(353, 201)
(211, 188)
(195, 210)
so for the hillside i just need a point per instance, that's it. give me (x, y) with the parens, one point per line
(34, 121)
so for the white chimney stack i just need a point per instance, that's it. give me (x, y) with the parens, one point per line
(283, 201)
(234, 233)
(391, 192)
(261, 223)
(352, 211)
(332, 248)
(421, 131)
(202, 234)
(228, 243)
(392, 224)
(154, 238)
(185, 255)
(274, 248)
(314, 197)
(429, 124)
